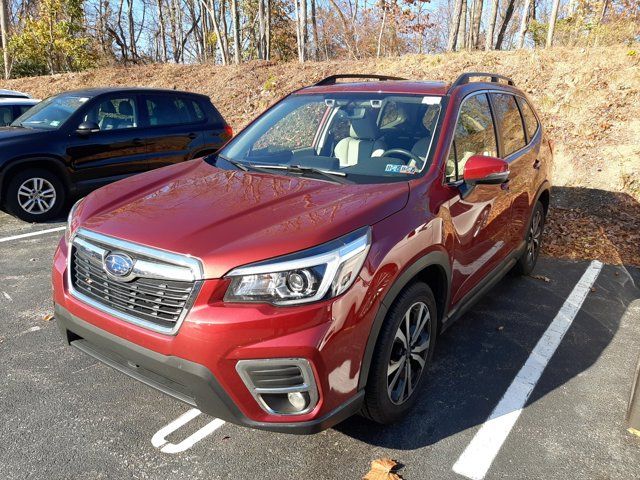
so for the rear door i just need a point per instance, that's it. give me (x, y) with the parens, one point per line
(521, 154)
(173, 128)
(117, 150)
(480, 215)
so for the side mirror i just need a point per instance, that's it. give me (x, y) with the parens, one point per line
(86, 128)
(484, 170)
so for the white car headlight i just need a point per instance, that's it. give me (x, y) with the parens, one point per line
(321, 272)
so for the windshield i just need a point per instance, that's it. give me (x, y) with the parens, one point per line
(50, 114)
(368, 138)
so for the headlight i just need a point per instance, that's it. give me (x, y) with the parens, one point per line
(70, 228)
(322, 272)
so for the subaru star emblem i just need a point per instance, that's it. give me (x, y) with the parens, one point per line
(118, 264)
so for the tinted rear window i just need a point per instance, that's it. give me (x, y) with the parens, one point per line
(510, 123)
(163, 109)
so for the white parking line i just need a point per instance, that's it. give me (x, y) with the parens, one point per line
(476, 460)
(31, 234)
(159, 440)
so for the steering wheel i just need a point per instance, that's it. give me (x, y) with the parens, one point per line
(404, 152)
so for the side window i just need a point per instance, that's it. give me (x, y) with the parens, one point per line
(530, 120)
(474, 135)
(510, 123)
(6, 115)
(24, 108)
(197, 111)
(168, 109)
(114, 114)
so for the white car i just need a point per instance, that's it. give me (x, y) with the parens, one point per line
(13, 94)
(12, 108)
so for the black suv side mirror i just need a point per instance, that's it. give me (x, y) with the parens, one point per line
(86, 128)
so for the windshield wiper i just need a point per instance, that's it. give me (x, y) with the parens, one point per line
(239, 165)
(332, 175)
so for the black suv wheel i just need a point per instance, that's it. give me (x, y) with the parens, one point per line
(527, 261)
(35, 195)
(403, 353)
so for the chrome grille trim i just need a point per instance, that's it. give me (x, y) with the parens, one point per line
(135, 298)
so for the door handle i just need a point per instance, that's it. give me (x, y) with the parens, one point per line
(193, 136)
(537, 164)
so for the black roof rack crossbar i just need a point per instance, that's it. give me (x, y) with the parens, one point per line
(331, 79)
(466, 77)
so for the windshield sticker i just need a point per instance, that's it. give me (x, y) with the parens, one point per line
(54, 123)
(431, 100)
(406, 169)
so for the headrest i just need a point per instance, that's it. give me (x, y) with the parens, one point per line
(107, 107)
(364, 128)
(125, 108)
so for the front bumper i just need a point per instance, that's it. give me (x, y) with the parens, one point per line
(186, 381)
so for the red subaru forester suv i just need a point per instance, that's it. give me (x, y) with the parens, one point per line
(304, 272)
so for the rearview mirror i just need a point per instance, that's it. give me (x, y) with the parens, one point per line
(85, 128)
(485, 170)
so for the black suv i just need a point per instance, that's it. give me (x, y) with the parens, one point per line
(76, 141)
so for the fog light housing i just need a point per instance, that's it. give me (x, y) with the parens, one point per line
(280, 386)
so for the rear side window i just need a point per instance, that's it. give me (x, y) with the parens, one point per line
(6, 115)
(530, 120)
(474, 135)
(509, 123)
(116, 113)
(167, 109)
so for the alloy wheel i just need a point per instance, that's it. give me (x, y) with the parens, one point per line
(534, 237)
(409, 353)
(36, 196)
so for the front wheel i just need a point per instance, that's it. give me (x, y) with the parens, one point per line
(529, 257)
(35, 195)
(402, 355)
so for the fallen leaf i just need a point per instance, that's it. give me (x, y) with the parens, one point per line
(541, 277)
(382, 469)
(48, 317)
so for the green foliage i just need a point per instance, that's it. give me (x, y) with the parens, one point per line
(53, 41)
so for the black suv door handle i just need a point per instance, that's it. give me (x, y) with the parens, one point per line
(193, 136)
(537, 164)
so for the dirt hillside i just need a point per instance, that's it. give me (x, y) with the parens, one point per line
(589, 100)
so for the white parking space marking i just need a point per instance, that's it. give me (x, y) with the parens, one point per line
(159, 439)
(31, 234)
(476, 460)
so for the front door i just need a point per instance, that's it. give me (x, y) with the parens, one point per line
(480, 215)
(116, 150)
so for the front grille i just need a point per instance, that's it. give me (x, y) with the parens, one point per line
(159, 303)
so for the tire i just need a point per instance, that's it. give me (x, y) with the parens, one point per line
(35, 195)
(527, 261)
(383, 404)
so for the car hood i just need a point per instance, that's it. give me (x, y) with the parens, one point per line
(14, 133)
(231, 218)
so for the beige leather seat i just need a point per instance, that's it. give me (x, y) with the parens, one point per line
(361, 144)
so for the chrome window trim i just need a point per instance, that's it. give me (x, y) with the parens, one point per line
(309, 386)
(187, 261)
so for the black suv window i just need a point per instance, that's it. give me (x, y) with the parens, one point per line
(510, 123)
(167, 109)
(116, 113)
(474, 135)
(6, 115)
(530, 119)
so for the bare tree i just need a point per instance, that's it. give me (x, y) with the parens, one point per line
(236, 31)
(383, 6)
(462, 28)
(4, 31)
(552, 22)
(524, 24)
(505, 23)
(488, 44)
(474, 23)
(455, 25)
(314, 26)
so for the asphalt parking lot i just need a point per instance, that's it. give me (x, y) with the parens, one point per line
(64, 416)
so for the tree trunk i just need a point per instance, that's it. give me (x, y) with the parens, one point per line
(4, 31)
(303, 29)
(261, 30)
(552, 22)
(162, 33)
(455, 26)
(605, 4)
(488, 44)
(462, 28)
(505, 23)
(236, 31)
(384, 19)
(268, 31)
(524, 24)
(475, 25)
(314, 24)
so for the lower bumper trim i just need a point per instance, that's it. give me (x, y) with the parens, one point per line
(182, 379)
